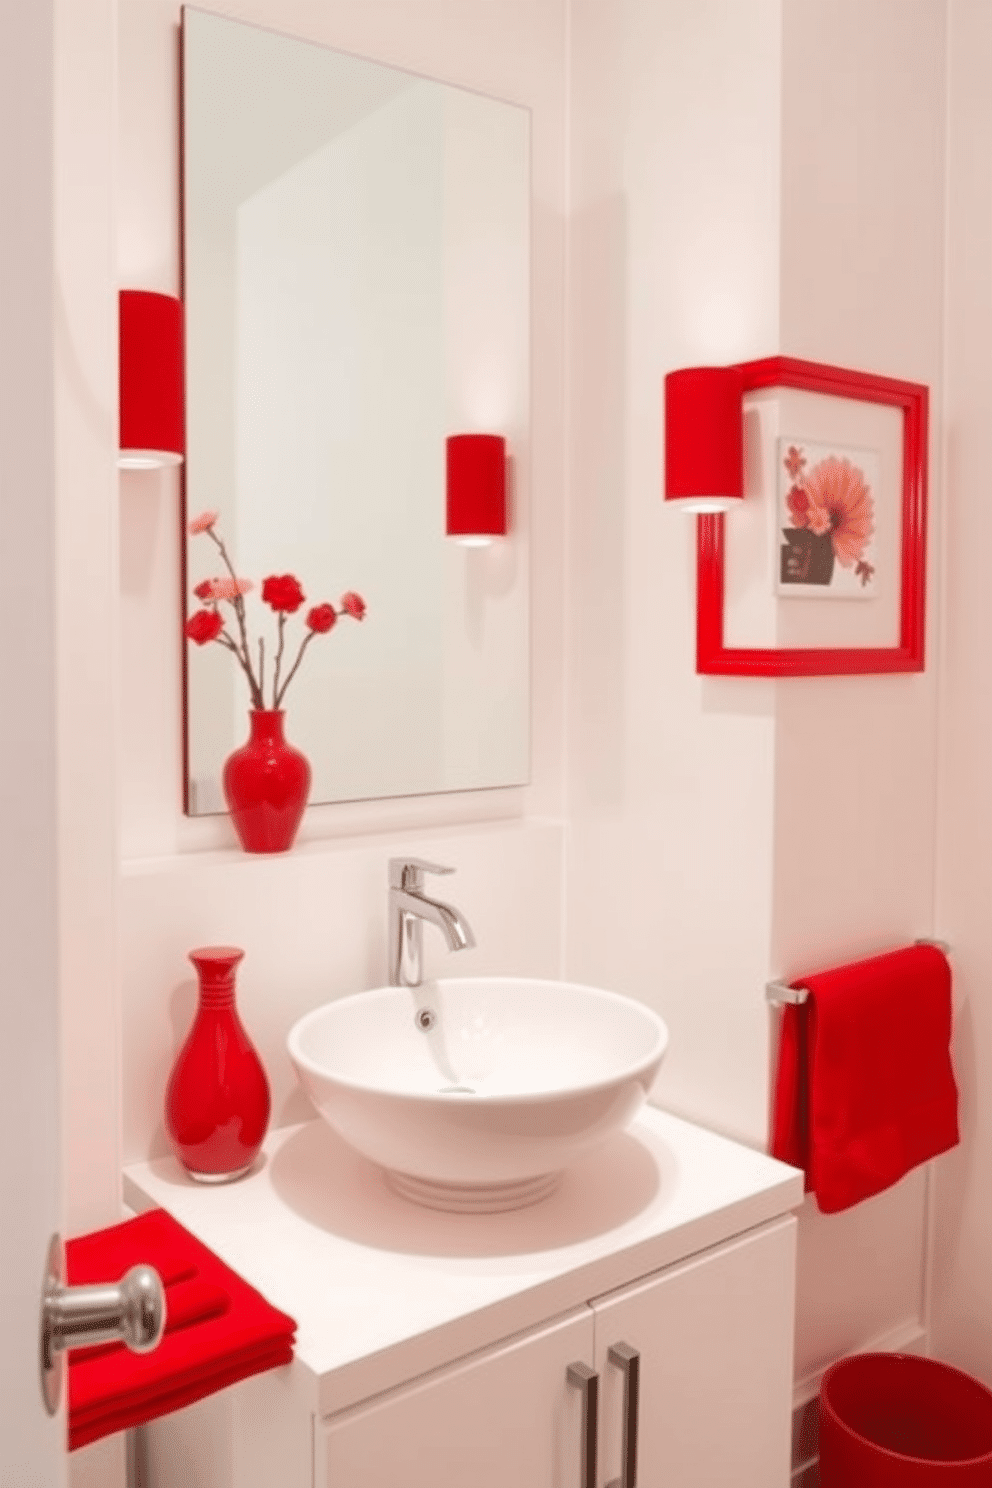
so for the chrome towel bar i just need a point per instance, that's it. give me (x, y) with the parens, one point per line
(780, 993)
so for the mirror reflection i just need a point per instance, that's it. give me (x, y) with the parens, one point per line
(356, 265)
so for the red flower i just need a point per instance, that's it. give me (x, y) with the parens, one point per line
(283, 592)
(321, 618)
(798, 503)
(353, 604)
(205, 590)
(204, 626)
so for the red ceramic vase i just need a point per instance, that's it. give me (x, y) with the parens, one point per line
(266, 784)
(217, 1100)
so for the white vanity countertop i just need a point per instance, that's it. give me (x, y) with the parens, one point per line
(383, 1290)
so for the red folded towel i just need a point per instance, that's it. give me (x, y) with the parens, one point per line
(218, 1329)
(865, 1089)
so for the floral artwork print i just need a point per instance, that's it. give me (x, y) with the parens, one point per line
(827, 518)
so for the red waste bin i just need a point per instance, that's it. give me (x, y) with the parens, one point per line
(902, 1421)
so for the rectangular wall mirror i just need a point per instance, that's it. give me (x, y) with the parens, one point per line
(356, 247)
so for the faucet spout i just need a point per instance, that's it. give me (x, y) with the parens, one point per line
(453, 925)
(409, 907)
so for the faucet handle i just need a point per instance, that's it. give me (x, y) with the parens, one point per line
(407, 873)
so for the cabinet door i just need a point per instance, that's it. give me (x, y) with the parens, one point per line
(714, 1337)
(506, 1416)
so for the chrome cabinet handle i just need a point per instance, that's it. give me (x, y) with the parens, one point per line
(628, 1360)
(587, 1381)
(132, 1310)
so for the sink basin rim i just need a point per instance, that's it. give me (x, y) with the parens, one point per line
(630, 1071)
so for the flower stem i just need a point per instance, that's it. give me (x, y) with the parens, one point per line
(275, 680)
(238, 603)
(281, 693)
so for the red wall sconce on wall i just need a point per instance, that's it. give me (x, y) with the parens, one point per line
(476, 487)
(152, 421)
(704, 438)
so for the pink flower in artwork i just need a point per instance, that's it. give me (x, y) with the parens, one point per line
(202, 523)
(284, 594)
(837, 488)
(817, 520)
(794, 462)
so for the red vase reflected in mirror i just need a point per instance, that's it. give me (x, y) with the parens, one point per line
(217, 1101)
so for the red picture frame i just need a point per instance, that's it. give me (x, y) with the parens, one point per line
(713, 658)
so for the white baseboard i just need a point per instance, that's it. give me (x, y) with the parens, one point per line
(909, 1337)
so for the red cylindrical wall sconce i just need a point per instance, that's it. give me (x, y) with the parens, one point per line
(476, 487)
(704, 438)
(152, 412)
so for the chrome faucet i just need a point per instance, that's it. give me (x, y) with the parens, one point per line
(409, 907)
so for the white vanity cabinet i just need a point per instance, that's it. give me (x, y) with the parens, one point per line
(450, 1351)
(507, 1416)
(711, 1343)
(714, 1338)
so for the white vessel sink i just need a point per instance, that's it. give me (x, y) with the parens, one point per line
(475, 1093)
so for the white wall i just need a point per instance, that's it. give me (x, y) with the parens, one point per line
(746, 180)
(673, 260)
(962, 1293)
(88, 698)
(83, 289)
(862, 285)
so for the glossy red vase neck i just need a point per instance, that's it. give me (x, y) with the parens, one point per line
(216, 967)
(266, 724)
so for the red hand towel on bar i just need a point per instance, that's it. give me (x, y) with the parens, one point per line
(865, 1090)
(218, 1329)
